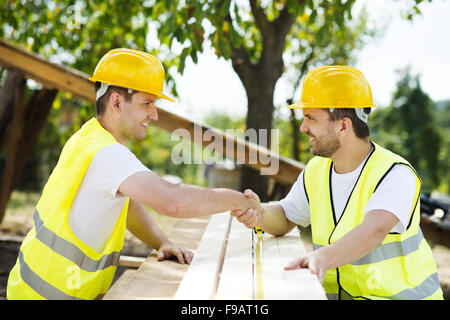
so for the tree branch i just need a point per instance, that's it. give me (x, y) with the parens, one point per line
(281, 26)
(260, 18)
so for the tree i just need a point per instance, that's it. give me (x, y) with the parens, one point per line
(442, 118)
(254, 35)
(409, 128)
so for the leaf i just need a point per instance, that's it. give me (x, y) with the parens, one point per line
(183, 56)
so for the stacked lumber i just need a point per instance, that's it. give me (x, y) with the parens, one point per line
(231, 263)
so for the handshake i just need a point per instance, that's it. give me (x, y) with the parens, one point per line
(252, 212)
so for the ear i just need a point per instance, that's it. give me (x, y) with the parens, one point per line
(115, 102)
(346, 126)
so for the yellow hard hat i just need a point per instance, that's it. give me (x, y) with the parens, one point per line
(132, 69)
(335, 87)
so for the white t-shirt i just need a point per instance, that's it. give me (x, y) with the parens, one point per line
(394, 194)
(97, 205)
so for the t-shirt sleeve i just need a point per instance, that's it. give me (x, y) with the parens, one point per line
(112, 165)
(396, 194)
(295, 204)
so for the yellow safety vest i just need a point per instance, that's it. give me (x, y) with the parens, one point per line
(53, 263)
(402, 267)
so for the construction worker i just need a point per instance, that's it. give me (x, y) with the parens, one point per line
(98, 188)
(361, 200)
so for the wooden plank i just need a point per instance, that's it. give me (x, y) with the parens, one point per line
(436, 231)
(50, 74)
(236, 278)
(273, 280)
(202, 278)
(160, 279)
(279, 284)
(131, 262)
(242, 151)
(300, 284)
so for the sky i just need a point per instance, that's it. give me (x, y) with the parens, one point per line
(423, 44)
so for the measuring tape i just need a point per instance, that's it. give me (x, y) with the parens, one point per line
(257, 263)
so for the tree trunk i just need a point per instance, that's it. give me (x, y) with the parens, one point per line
(8, 94)
(295, 136)
(37, 110)
(12, 98)
(21, 125)
(259, 79)
(259, 117)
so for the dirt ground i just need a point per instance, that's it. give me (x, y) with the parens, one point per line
(18, 220)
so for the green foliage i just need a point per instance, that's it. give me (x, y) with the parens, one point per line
(155, 153)
(410, 127)
(223, 121)
(286, 140)
(77, 33)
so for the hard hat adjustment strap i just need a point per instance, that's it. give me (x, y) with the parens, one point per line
(104, 87)
(102, 90)
(360, 113)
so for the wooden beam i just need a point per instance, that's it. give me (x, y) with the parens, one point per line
(243, 275)
(436, 231)
(202, 278)
(236, 278)
(290, 247)
(131, 262)
(49, 74)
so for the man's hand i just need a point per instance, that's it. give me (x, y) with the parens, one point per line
(314, 262)
(251, 217)
(169, 250)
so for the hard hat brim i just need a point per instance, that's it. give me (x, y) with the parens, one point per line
(163, 96)
(295, 106)
(159, 95)
(301, 106)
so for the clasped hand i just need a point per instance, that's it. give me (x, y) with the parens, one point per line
(254, 214)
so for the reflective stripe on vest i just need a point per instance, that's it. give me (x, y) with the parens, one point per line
(44, 288)
(71, 251)
(388, 250)
(425, 289)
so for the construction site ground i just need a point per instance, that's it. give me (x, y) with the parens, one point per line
(18, 220)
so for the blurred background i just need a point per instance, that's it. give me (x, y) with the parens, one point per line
(237, 64)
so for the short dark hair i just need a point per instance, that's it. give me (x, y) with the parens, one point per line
(100, 104)
(360, 128)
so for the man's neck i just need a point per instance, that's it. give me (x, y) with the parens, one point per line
(351, 155)
(108, 126)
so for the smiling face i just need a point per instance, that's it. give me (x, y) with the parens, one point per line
(137, 115)
(322, 132)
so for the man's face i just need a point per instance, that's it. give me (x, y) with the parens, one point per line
(322, 132)
(137, 115)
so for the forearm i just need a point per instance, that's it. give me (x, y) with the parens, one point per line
(194, 201)
(182, 200)
(141, 224)
(275, 221)
(358, 242)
